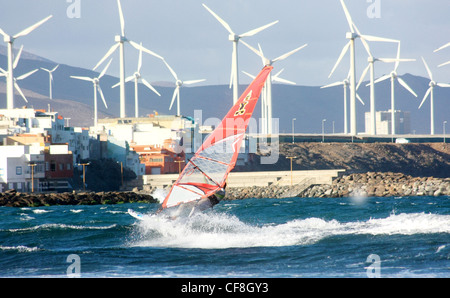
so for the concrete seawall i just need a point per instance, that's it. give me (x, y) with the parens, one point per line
(255, 179)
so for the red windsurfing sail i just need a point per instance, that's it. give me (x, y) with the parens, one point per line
(207, 171)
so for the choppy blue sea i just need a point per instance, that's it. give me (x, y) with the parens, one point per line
(294, 237)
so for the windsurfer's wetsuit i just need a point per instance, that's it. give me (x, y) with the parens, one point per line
(211, 201)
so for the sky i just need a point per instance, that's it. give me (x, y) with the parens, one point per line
(196, 45)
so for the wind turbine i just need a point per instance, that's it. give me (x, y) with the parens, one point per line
(120, 41)
(441, 48)
(97, 88)
(371, 66)
(352, 35)
(394, 76)
(4, 73)
(179, 83)
(430, 92)
(269, 62)
(275, 78)
(16, 85)
(234, 38)
(50, 74)
(345, 83)
(138, 77)
(10, 71)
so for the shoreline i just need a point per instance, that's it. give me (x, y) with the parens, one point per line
(371, 184)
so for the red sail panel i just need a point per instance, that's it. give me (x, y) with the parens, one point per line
(207, 171)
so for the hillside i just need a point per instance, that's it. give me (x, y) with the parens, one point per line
(417, 160)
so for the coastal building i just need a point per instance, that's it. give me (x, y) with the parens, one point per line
(383, 121)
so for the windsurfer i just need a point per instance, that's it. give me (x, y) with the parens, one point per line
(212, 200)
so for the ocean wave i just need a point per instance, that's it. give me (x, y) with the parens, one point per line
(61, 227)
(217, 231)
(19, 248)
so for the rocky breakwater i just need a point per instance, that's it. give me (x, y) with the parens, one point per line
(13, 198)
(375, 184)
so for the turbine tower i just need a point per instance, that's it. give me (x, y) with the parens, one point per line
(234, 38)
(10, 71)
(179, 83)
(120, 41)
(97, 88)
(50, 79)
(268, 85)
(138, 77)
(371, 66)
(394, 76)
(352, 35)
(430, 92)
(345, 83)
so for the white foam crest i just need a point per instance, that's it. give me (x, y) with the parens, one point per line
(219, 230)
(61, 226)
(41, 211)
(19, 248)
(160, 194)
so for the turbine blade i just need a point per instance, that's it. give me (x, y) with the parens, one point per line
(193, 82)
(257, 30)
(430, 75)
(344, 51)
(224, 24)
(397, 63)
(359, 98)
(443, 47)
(392, 60)
(31, 28)
(448, 62)
(174, 96)
(16, 61)
(332, 85)
(82, 78)
(56, 67)
(110, 51)
(3, 33)
(150, 86)
(254, 50)
(171, 70)
(129, 79)
(140, 47)
(101, 95)
(383, 78)
(363, 76)
(20, 91)
(250, 75)
(348, 16)
(122, 20)
(376, 38)
(105, 69)
(403, 83)
(140, 59)
(443, 85)
(284, 81)
(115, 86)
(24, 76)
(282, 57)
(425, 97)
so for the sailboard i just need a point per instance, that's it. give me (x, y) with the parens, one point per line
(207, 171)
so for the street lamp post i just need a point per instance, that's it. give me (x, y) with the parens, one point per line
(291, 158)
(323, 130)
(84, 174)
(32, 165)
(443, 128)
(293, 119)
